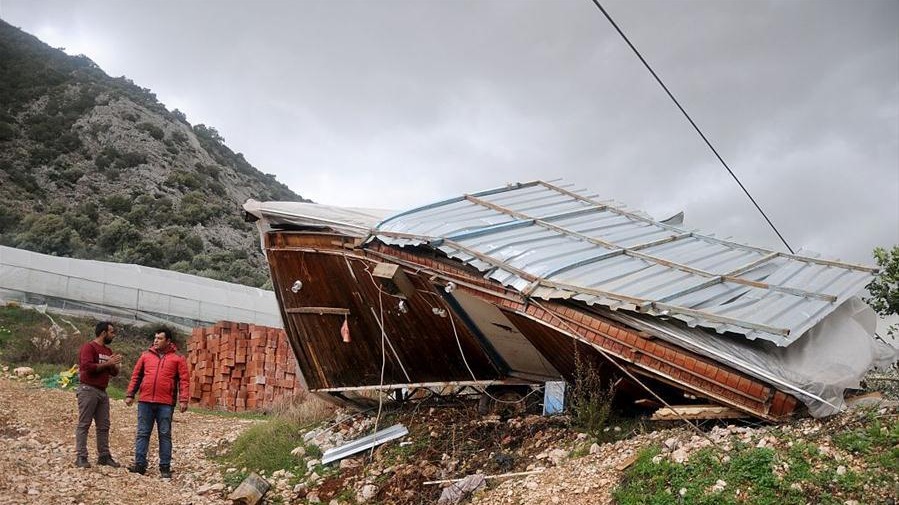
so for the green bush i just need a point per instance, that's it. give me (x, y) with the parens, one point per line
(107, 157)
(589, 401)
(131, 160)
(119, 204)
(117, 234)
(9, 219)
(154, 131)
(7, 131)
(47, 234)
(184, 180)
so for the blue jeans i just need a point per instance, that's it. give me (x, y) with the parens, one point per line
(147, 414)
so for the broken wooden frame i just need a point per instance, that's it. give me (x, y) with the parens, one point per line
(480, 334)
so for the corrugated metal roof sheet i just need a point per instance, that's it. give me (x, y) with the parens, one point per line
(548, 242)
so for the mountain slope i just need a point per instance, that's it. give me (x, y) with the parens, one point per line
(95, 167)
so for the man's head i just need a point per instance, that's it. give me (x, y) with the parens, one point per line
(106, 331)
(162, 339)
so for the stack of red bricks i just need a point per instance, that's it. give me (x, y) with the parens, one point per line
(239, 366)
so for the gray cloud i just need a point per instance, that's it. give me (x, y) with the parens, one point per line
(398, 103)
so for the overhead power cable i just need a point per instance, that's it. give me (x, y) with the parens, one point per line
(695, 127)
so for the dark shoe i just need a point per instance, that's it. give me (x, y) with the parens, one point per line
(135, 468)
(165, 472)
(81, 462)
(108, 461)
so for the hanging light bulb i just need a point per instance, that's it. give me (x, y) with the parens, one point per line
(297, 286)
(450, 287)
(402, 307)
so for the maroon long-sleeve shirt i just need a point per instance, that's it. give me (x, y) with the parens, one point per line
(90, 356)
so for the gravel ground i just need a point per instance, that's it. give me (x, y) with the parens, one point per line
(37, 453)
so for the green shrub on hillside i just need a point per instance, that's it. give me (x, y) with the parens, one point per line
(47, 234)
(154, 131)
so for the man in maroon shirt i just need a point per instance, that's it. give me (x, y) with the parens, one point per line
(96, 364)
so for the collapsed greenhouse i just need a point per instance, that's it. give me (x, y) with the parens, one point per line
(509, 289)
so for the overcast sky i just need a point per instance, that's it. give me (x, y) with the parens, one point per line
(394, 104)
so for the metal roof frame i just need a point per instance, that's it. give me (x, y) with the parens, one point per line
(483, 220)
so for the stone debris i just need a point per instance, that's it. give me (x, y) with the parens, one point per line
(37, 460)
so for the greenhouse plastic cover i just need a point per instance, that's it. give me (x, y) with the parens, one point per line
(831, 357)
(132, 291)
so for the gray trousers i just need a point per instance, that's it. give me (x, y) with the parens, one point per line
(93, 405)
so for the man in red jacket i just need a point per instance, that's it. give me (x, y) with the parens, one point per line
(96, 364)
(161, 378)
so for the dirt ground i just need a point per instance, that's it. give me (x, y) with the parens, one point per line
(37, 453)
(37, 460)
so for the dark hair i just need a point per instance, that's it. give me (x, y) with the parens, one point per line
(101, 327)
(168, 333)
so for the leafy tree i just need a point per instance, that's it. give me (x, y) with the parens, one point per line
(884, 288)
(47, 234)
(9, 219)
(117, 235)
(119, 204)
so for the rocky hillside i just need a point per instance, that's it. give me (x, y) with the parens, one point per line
(95, 167)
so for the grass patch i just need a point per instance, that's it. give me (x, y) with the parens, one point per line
(266, 447)
(792, 472)
(877, 443)
(232, 415)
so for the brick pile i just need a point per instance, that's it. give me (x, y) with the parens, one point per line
(238, 367)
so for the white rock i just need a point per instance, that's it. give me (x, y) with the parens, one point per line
(299, 451)
(557, 456)
(367, 492)
(349, 463)
(23, 371)
(841, 470)
(594, 448)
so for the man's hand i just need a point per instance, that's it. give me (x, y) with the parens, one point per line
(129, 400)
(182, 408)
(111, 363)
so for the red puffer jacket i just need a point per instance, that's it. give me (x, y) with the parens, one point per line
(160, 375)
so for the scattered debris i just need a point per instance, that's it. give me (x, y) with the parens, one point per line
(359, 445)
(460, 489)
(676, 412)
(250, 491)
(500, 476)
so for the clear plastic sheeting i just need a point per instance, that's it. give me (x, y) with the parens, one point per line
(133, 292)
(356, 222)
(831, 357)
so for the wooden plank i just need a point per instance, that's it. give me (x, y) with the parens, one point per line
(318, 310)
(677, 412)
